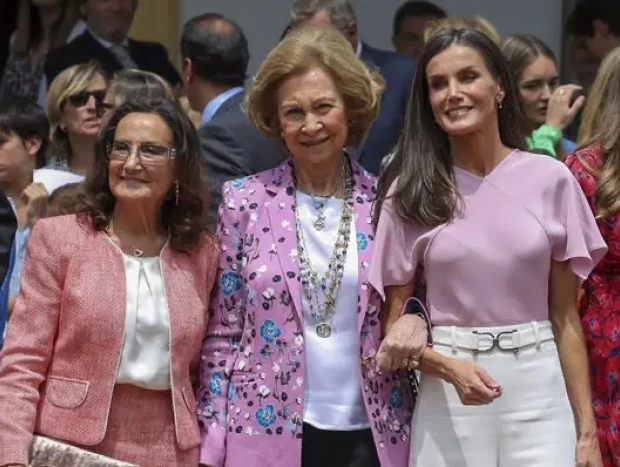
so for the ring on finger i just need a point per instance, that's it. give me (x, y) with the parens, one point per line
(413, 363)
(561, 91)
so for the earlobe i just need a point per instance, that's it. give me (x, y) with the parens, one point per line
(33, 145)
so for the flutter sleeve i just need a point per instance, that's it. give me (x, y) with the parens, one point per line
(571, 226)
(398, 249)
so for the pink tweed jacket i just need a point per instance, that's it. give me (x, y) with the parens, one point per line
(253, 362)
(60, 360)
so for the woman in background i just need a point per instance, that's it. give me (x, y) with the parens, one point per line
(596, 165)
(74, 109)
(548, 107)
(133, 84)
(477, 23)
(42, 25)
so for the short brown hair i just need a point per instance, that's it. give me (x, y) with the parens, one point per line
(306, 48)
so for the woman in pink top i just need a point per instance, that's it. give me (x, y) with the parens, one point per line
(501, 237)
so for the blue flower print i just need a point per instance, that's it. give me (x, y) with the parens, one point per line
(232, 392)
(269, 331)
(362, 241)
(236, 184)
(231, 282)
(266, 416)
(215, 384)
(396, 398)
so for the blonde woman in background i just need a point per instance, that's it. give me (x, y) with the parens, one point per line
(42, 25)
(477, 23)
(74, 108)
(596, 165)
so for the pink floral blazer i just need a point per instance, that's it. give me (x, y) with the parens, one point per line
(252, 375)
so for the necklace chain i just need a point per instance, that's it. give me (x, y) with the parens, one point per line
(137, 252)
(328, 285)
(320, 201)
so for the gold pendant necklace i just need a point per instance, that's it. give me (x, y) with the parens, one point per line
(137, 252)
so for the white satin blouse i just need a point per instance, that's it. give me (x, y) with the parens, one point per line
(145, 359)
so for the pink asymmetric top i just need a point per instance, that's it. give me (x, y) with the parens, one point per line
(490, 266)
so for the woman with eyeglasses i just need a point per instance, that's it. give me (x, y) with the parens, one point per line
(107, 329)
(74, 110)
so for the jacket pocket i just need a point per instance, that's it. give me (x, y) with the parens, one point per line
(66, 393)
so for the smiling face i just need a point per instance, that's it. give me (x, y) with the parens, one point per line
(536, 84)
(463, 93)
(148, 178)
(312, 117)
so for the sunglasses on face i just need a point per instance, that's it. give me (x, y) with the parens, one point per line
(80, 99)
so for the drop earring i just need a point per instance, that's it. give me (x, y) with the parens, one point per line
(176, 193)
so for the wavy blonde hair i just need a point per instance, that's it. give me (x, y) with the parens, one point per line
(477, 23)
(74, 79)
(305, 48)
(601, 125)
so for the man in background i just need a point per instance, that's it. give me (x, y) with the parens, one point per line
(215, 58)
(595, 26)
(106, 40)
(409, 25)
(396, 69)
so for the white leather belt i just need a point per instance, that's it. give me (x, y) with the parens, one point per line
(483, 340)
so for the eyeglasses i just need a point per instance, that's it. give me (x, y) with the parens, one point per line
(148, 153)
(80, 99)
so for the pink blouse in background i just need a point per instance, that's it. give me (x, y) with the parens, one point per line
(491, 265)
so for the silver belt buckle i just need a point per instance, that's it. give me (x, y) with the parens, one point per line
(495, 342)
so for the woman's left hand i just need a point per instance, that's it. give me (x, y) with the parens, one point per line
(403, 345)
(588, 451)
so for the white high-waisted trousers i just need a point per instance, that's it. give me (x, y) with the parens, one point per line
(530, 425)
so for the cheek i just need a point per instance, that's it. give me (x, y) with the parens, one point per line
(289, 135)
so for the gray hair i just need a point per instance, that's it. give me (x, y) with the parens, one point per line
(341, 13)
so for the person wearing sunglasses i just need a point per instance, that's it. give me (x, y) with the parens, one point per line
(106, 333)
(74, 109)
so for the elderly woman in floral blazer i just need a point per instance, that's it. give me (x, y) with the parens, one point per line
(289, 364)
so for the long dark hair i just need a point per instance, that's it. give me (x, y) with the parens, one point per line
(186, 221)
(425, 192)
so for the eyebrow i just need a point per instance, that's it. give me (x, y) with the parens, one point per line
(542, 80)
(467, 68)
(126, 141)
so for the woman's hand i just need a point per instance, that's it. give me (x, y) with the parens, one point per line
(560, 112)
(403, 345)
(473, 384)
(588, 451)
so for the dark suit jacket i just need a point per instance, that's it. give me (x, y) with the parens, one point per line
(398, 71)
(8, 224)
(232, 148)
(149, 56)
